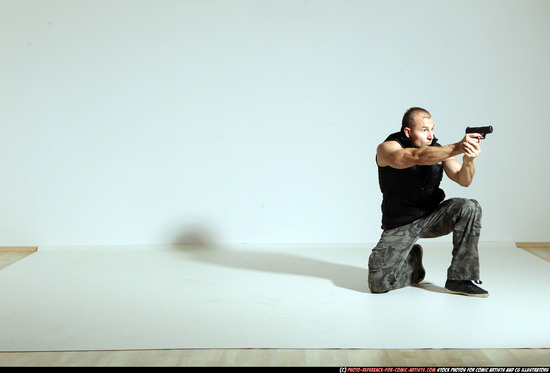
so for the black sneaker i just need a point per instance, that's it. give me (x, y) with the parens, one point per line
(465, 287)
(419, 272)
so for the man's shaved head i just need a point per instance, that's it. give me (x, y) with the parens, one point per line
(409, 118)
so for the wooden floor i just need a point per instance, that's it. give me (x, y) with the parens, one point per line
(261, 357)
(278, 357)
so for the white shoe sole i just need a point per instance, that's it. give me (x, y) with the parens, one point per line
(467, 294)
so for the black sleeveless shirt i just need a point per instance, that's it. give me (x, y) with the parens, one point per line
(410, 193)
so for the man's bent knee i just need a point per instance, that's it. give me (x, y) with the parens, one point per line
(472, 205)
(466, 206)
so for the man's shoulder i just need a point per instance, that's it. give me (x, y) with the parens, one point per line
(386, 150)
(389, 146)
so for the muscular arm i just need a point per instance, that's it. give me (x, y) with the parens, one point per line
(463, 174)
(390, 153)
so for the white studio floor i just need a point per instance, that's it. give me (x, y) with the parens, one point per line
(268, 296)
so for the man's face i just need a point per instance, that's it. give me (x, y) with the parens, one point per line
(422, 133)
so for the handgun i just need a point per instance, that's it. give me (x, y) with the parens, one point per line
(481, 130)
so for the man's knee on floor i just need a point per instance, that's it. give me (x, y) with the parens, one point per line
(377, 284)
(377, 278)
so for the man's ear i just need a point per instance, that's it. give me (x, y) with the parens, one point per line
(407, 132)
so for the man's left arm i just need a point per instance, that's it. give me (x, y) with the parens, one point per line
(463, 174)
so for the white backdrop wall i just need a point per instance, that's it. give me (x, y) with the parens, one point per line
(230, 121)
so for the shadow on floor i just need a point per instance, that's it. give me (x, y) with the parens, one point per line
(343, 276)
(198, 244)
(430, 287)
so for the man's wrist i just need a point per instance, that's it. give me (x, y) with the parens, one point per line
(457, 148)
(467, 159)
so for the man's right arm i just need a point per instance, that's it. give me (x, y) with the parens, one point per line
(390, 153)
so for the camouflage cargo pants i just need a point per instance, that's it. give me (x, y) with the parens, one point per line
(390, 264)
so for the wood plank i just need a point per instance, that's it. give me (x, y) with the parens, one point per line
(538, 245)
(285, 357)
(11, 249)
